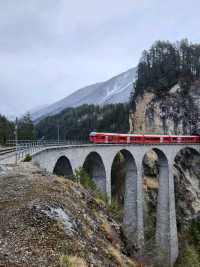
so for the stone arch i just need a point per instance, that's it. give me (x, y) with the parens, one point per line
(94, 166)
(63, 167)
(161, 239)
(130, 196)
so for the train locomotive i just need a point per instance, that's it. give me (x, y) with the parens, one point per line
(114, 138)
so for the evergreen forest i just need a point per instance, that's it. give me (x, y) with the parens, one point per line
(166, 64)
(77, 123)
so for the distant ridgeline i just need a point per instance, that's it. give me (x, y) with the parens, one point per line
(167, 90)
(77, 123)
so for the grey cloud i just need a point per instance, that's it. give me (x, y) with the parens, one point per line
(49, 48)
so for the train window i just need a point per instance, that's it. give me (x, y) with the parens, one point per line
(100, 137)
(133, 139)
(137, 138)
(152, 138)
(166, 138)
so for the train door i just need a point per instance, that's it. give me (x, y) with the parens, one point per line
(106, 139)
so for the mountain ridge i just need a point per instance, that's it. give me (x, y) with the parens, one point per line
(112, 91)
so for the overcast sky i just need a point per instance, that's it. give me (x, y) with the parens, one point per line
(50, 48)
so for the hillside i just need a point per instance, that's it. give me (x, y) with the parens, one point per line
(47, 220)
(175, 112)
(115, 90)
(167, 91)
(167, 101)
(75, 123)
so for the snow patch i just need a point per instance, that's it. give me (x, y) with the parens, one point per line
(115, 91)
(112, 91)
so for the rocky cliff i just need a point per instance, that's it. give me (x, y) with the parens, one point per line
(174, 112)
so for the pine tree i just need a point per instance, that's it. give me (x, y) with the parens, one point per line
(26, 130)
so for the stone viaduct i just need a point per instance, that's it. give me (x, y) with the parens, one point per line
(65, 160)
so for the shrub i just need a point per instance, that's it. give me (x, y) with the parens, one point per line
(189, 257)
(28, 158)
(116, 210)
(195, 234)
(82, 177)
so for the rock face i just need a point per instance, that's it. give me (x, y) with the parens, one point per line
(187, 187)
(187, 184)
(174, 112)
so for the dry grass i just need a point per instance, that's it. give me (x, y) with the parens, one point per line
(72, 261)
(107, 230)
(116, 256)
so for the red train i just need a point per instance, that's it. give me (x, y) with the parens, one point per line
(114, 138)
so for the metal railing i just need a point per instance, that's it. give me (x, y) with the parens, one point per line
(28, 147)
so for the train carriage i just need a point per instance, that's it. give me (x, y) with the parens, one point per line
(114, 138)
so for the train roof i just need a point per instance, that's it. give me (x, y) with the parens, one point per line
(149, 135)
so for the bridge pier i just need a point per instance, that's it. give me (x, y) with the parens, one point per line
(174, 250)
(166, 229)
(133, 205)
(140, 206)
(108, 181)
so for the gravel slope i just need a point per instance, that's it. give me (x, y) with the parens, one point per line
(49, 221)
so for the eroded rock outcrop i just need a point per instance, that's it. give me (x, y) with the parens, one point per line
(174, 112)
(187, 186)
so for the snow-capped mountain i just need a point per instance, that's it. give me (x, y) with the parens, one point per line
(115, 90)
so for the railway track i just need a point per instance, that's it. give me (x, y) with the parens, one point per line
(6, 151)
